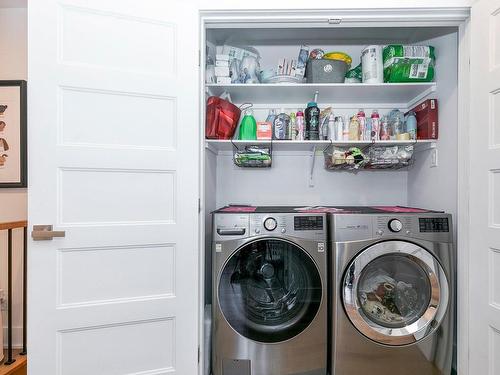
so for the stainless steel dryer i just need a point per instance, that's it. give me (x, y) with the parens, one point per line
(269, 293)
(393, 294)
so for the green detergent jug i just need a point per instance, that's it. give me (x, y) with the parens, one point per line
(248, 127)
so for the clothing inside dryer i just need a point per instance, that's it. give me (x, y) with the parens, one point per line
(394, 291)
(270, 290)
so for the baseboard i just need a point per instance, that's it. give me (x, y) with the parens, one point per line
(17, 337)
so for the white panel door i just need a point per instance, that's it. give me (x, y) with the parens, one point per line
(484, 266)
(113, 161)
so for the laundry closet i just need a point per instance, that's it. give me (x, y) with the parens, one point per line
(300, 173)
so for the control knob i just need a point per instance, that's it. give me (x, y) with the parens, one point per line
(395, 225)
(270, 223)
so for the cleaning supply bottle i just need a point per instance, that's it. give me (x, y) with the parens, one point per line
(331, 127)
(248, 126)
(375, 134)
(271, 116)
(292, 129)
(280, 126)
(362, 124)
(339, 128)
(345, 131)
(354, 129)
(312, 120)
(385, 129)
(300, 126)
(411, 125)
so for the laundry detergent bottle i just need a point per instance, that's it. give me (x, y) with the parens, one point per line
(248, 127)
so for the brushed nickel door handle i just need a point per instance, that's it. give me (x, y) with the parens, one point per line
(45, 232)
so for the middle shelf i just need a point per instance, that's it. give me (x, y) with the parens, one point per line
(219, 145)
(398, 94)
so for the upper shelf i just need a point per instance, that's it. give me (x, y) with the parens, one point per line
(396, 94)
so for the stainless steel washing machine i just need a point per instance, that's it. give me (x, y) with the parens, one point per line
(269, 293)
(393, 293)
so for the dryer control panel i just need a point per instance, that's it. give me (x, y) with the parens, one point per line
(353, 227)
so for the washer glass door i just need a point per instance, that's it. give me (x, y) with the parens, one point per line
(395, 292)
(270, 290)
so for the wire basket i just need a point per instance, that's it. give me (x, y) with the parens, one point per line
(253, 156)
(371, 157)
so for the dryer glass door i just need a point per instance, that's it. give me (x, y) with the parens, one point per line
(270, 290)
(395, 292)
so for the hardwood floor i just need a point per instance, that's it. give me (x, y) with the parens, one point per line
(19, 367)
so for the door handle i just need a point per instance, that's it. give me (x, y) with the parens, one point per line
(231, 232)
(45, 232)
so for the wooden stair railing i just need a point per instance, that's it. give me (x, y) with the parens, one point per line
(9, 227)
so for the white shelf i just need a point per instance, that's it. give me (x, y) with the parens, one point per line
(398, 94)
(217, 145)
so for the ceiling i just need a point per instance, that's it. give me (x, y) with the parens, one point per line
(13, 3)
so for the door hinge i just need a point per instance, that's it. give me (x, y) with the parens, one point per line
(199, 205)
(198, 354)
(199, 57)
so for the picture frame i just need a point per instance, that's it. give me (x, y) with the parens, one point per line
(13, 134)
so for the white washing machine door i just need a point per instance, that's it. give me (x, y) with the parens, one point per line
(269, 290)
(395, 293)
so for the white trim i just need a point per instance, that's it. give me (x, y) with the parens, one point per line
(329, 17)
(463, 226)
(201, 194)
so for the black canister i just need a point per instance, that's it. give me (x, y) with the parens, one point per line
(312, 121)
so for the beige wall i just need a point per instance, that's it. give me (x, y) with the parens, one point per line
(13, 202)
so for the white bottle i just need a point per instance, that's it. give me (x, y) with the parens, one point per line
(372, 65)
(345, 130)
(339, 128)
(331, 126)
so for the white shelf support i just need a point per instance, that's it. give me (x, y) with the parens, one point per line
(421, 147)
(210, 147)
(311, 171)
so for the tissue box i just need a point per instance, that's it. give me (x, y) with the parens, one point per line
(427, 119)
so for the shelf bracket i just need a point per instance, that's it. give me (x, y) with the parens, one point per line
(424, 147)
(311, 171)
(211, 148)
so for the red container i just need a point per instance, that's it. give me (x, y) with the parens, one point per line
(427, 119)
(222, 118)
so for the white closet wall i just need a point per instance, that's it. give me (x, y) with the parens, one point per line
(436, 188)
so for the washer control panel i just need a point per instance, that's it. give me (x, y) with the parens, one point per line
(308, 222)
(307, 226)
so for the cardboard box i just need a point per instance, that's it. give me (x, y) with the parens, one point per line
(264, 130)
(427, 119)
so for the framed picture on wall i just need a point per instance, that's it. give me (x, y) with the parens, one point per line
(13, 144)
